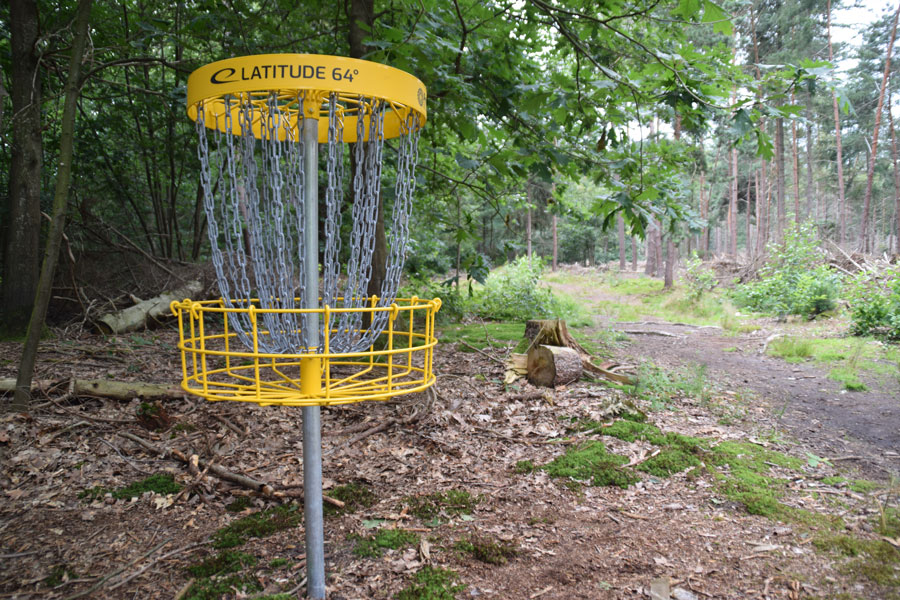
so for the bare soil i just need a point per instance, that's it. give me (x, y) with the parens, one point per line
(573, 542)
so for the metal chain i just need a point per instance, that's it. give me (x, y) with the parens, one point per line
(253, 196)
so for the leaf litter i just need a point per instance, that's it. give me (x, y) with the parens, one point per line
(570, 541)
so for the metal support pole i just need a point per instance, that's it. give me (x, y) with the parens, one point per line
(312, 425)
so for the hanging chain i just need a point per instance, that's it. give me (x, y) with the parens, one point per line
(253, 196)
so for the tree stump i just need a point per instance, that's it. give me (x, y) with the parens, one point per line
(550, 366)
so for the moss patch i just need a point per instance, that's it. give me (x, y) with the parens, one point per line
(223, 563)
(59, 575)
(487, 550)
(261, 524)
(239, 504)
(161, 483)
(523, 467)
(592, 462)
(354, 495)
(432, 583)
(876, 560)
(374, 546)
(451, 502)
(669, 462)
(217, 587)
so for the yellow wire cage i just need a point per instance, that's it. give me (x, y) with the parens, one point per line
(216, 366)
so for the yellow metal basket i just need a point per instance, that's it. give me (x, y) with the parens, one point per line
(216, 366)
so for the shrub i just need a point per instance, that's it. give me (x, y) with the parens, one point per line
(512, 292)
(698, 277)
(794, 281)
(875, 303)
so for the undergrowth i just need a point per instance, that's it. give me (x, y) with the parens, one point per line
(161, 483)
(261, 524)
(432, 583)
(374, 545)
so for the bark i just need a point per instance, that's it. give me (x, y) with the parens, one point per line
(634, 253)
(842, 205)
(143, 313)
(528, 223)
(671, 257)
(104, 388)
(870, 174)
(551, 366)
(60, 201)
(779, 179)
(650, 266)
(747, 243)
(894, 158)
(762, 224)
(796, 164)
(704, 215)
(21, 255)
(733, 206)
(555, 245)
(809, 158)
(620, 227)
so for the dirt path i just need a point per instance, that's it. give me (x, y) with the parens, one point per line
(860, 428)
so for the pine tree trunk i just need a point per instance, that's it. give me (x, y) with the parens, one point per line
(747, 244)
(704, 215)
(896, 230)
(842, 205)
(22, 223)
(733, 206)
(650, 265)
(634, 254)
(555, 245)
(60, 201)
(779, 179)
(809, 159)
(671, 257)
(620, 227)
(796, 156)
(762, 234)
(870, 174)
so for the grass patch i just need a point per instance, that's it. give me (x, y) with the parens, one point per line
(876, 560)
(354, 495)
(592, 462)
(487, 550)
(482, 335)
(432, 583)
(847, 357)
(260, 524)
(848, 377)
(374, 545)
(658, 386)
(161, 483)
(791, 349)
(451, 502)
(277, 563)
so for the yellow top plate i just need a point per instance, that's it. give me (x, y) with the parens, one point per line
(309, 76)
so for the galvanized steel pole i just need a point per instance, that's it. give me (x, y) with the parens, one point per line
(312, 425)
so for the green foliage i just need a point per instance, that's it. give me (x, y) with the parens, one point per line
(451, 502)
(482, 335)
(524, 467)
(454, 306)
(658, 386)
(374, 545)
(161, 483)
(354, 495)
(222, 563)
(875, 303)
(260, 524)
(221, 586)
(791, 349)
(513, 293)
(238, 504)
(698, 277)
(794, 280)
(432, 583)
(592, 462)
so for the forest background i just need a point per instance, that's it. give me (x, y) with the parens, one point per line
(643, 130)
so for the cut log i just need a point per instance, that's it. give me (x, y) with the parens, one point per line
(104, 388)
(147, 311)
(550, 366)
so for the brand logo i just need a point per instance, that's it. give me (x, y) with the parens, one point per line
(421, 97)
(222, 75)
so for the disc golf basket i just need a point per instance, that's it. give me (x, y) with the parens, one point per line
(294, 325)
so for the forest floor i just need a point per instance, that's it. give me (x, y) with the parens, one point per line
(789, 489)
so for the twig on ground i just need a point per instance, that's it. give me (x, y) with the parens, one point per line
(141, 571)
(112, 574)
(224, 421)
(123, 457)
(502, 363)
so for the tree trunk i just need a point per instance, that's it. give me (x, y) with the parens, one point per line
(671, 257)
(704, 215)
(896, 229)
(21, 236)
(551, 366)
(796, 163)
(870, 174)
(634, 253)
(747, 244)
(620, 226)
(60, 200)
(762, 225)
(779, 179)
(842, 205)
(809, 158)
(650, 265)
(555, 244)
(733, 206)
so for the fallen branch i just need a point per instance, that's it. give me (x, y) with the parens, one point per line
(650, 332)
(480, 351)
(112, 574)
(103, 388)
(222, 473)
